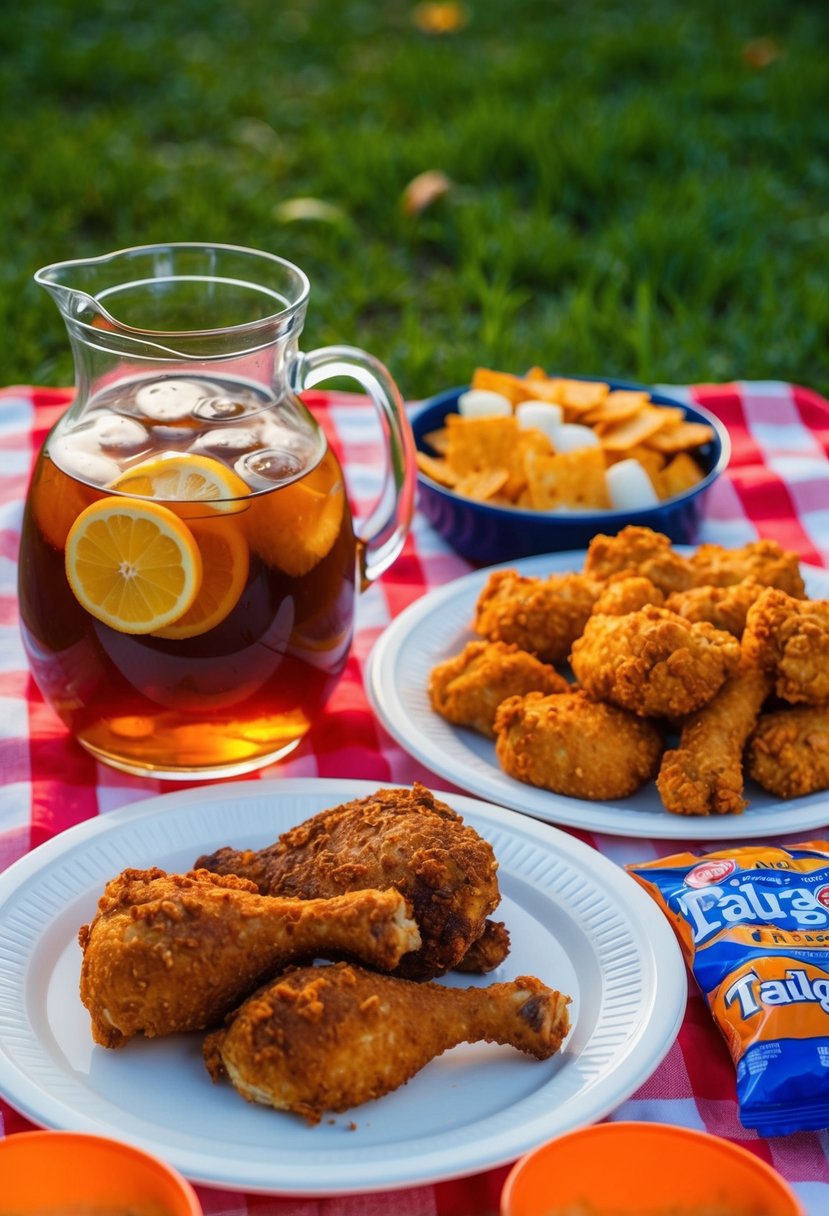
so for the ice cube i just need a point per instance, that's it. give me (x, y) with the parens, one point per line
(217, 408)
(75, 456)
(629, 486)
(228, 440)
(269, 467)
(116, 433)
(170, 400)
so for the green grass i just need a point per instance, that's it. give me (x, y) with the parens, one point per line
(630, 197)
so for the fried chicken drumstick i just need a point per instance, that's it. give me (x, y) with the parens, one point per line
(174, 952)
(355, 1035)
(406, 839)
(704, 775)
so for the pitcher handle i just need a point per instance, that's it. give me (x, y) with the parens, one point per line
(382, 534)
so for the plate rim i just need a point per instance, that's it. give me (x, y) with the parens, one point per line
(530, 800)
(658, 958)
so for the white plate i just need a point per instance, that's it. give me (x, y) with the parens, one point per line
(577, 921)
(437, 626)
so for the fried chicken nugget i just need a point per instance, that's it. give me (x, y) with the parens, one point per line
(790, 638)
(764, 560)
(788, 753)
(574, 746)
(725, 607)
(468, 688)
(627, 594)
(653, 662)
(640, 552)
(704, 775)
(541, 615)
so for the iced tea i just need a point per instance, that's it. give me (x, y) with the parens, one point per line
(241, 676)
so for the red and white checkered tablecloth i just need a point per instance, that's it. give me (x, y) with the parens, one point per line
(777, 486)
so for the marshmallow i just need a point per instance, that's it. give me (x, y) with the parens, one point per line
(539, 416)
(571, 436)
(482, 403)
(629, 486)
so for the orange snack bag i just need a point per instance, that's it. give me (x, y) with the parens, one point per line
(753, 924)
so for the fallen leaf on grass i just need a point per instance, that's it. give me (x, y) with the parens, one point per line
(440, 18)
(309, 209)
(424, 190)
(760, 52)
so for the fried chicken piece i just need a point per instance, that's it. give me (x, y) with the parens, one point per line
(724, 607)
(704, 775)
(406, 839)
(329, 1038)
(790, 638)
(763, 560)
(640, 552)
(653, 662)
(468, 688)
(488, 952)
(174, 952)
(541, 615)
(574, 746)
(627, 593)
(788, 753)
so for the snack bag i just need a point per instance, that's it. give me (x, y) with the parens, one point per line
(753, 923)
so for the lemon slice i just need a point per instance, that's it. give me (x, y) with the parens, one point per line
(225, 564)
(295, 527)
(184, 477)
(133, 565)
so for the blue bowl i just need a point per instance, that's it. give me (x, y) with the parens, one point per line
(488, 534)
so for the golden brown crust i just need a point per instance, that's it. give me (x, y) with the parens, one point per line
(174, 952)
(704, 774)
(542, 616)
(724, 607)
(488, 952)
(406, 839)
(574, 746)
(354, 1036)
(468, 688)
(638, 552)
(763, 560)
(653, 662)
(627, 593)
(789, 638)
(788, 753)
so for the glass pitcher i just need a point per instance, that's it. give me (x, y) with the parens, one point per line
(188, 563)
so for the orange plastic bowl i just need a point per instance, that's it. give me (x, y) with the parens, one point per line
(644, 1169)
(71, 1171)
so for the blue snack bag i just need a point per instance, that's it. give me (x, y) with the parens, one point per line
(753, 924)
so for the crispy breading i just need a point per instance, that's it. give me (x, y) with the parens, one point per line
(401, 838)
(574, 746)
(627, 594)
(764, 560)
(725, 607)
(468, 688)
(790, 638)
(173, 952)
(329, 1038)
(704, 774)
(541, 615)
(653, 662)
(640, 552)
(788, 753)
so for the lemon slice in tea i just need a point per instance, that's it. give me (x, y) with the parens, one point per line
(294, 527)
(184, 477)
(133, 565)
(225, 564)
